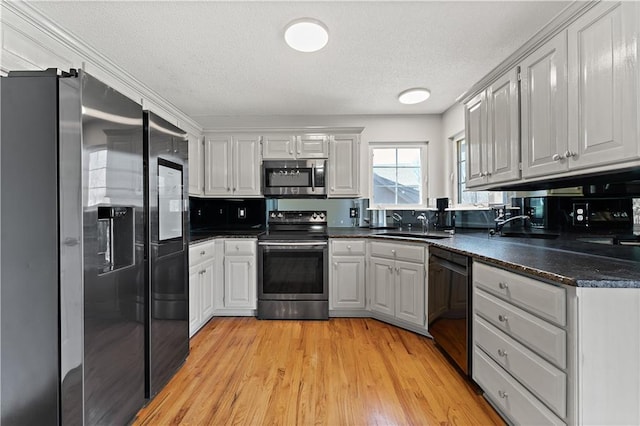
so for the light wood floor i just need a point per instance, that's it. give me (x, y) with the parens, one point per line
(245, 371)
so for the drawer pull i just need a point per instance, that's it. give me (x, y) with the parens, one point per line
(502, 394)
(503, 286)
(502, 352)
(348, 247)
(237, 247)
(502, 318)
(393, 251)
(202, 253)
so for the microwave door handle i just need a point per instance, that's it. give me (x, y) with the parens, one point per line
(313, 178)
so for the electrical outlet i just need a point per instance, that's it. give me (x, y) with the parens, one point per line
(353, 212)
(242, 213)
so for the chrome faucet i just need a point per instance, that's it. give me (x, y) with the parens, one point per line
(425, 222)
(397, 217)
(500, 223)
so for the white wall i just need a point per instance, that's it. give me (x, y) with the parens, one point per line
(377, 128)
(452, 127)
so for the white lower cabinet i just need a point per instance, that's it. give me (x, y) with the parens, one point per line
(520, 359)
(346, 276)
(397, 282)
(201, 284)
(237, 296)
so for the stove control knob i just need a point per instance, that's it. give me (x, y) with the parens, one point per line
(280, 215)
(321, 215)
(314, 215)
(273, 214)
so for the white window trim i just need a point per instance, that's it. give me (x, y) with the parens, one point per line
(424, 168)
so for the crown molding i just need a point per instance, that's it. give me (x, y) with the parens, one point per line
(293, 130)
(34, 17)
(553, 27)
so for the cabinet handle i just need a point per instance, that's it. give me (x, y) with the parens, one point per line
(502, 318)
(202, 253)
(348, 247)
(335, 265)
(228, 189)
(557, 157)
(502, 394)
(201, 272)
(397, 270)
(502, 352)
(393, 251)
(237, 247)
(503, 286)
(569, 154)
(390, 268)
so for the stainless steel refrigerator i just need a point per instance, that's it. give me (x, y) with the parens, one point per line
(76, 263)
(166, 154)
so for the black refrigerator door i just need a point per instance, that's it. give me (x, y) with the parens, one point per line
(114, 241)
(166, 154)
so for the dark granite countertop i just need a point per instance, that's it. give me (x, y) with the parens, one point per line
(564, 261)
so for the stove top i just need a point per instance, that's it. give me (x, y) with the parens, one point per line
(296, 225)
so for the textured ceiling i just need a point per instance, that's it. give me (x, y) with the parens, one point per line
(229, 58)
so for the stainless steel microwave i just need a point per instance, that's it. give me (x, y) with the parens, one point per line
(294, 178)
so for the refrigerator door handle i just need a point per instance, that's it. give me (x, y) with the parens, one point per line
(70, 241)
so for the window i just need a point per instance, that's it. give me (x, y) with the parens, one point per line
(398, 174)
(472, 197)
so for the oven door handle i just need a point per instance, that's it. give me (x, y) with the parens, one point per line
(449, 265)
(313, 178)
(300, 244)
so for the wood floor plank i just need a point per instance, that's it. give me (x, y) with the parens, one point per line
(243, 371)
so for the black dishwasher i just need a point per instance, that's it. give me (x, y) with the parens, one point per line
(449, 305)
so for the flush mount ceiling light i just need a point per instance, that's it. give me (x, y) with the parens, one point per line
(414, 96)
(306, 35)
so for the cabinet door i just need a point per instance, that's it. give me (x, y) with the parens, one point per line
(246, 172)
(347, 282)
(603, 66)
(206, 291)
(543, 88)
(344, 162)
(476, 138)
(278, 147)
(410, 292)
(381, 278)
(312, 146)
(194, 299)
(239, 282)
(217, 166)
(503, 132)
(196, 166)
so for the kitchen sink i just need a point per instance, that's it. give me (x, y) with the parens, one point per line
(536, 235)
(429, 236)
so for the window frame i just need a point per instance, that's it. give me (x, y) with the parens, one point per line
(493, 197)
(424, 172)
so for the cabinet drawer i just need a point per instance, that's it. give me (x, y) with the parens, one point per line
(347, 247)
(540, 377)
(546, 300)
(410, 253)
(199, 253)
(508, 395)
(241, 247)
(543, 338)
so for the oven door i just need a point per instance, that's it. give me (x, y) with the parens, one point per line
(293, 270)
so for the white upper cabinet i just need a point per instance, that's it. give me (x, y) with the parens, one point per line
(278, 147)
(603, 80)
(493, 133)
(286, 147)
(476, 138)
(503, 130)
(246, 171)
(344, 166)
(543, 89)
(232, 166)
(217, 165)
(196, 163)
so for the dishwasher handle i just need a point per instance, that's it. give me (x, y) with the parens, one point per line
(462, 270)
